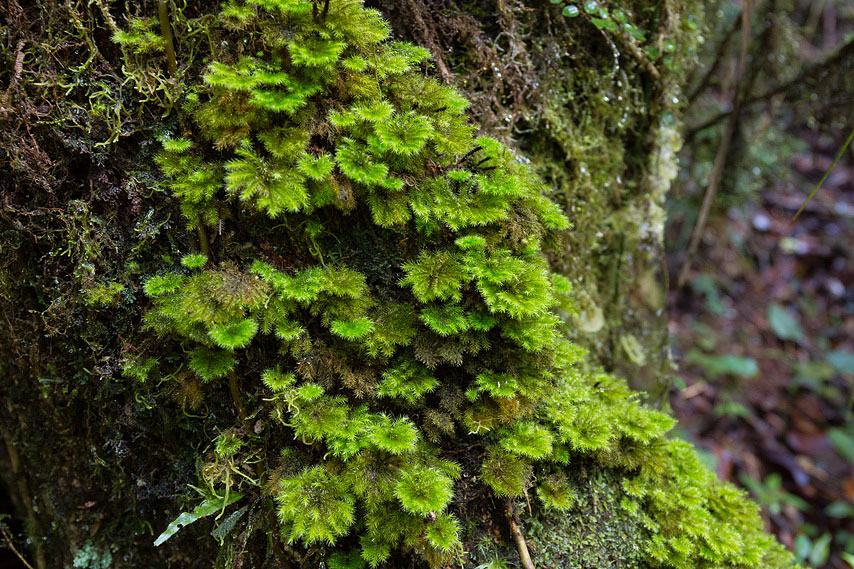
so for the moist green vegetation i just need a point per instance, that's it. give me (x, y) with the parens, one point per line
(373, 335)
(405, 334)
(594, 532)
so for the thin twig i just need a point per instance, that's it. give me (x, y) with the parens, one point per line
(204, 243)
(11, 546)
(719, 56)
(823, 178)
(23, 489)
(521, 545)
(723, 149)
(238, 404)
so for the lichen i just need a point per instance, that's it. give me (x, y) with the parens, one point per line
(90, 557)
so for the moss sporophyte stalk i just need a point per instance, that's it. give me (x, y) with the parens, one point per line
(393, 328)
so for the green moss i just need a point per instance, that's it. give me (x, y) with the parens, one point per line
(596, 531)
(466, 224)
(380, 308)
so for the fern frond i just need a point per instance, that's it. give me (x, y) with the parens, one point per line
(352, 329)
(210, 364)
(358, 165)
(316, 52)
(528, 439)
(407, 381)
(398, 436)
(445, 320)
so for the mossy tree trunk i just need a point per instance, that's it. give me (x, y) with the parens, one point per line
(98, 461)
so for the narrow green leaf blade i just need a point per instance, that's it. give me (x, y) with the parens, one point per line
(206, 508)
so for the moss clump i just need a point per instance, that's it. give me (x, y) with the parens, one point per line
(327, 125)
(373, 299)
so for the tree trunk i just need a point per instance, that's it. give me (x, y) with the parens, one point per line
(114, 406)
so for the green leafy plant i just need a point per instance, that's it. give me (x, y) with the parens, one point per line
(771, 494)
(208, 507)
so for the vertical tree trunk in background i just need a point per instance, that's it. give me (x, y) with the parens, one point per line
(97, 467)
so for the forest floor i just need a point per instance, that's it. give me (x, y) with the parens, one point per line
(763, 334)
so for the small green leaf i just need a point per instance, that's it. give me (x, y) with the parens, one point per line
(724, 364)
(820, 550)
(784, 324)
(842, 360)
(847, 558)
(591, 6)
(803, 546)
(227, 525)
(602, 24)
(634, 31)
(843, 441)
(206, 508)
(839, 509)
(570, 11)
(705, 284)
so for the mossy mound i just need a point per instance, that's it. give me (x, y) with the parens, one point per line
(368, 331)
